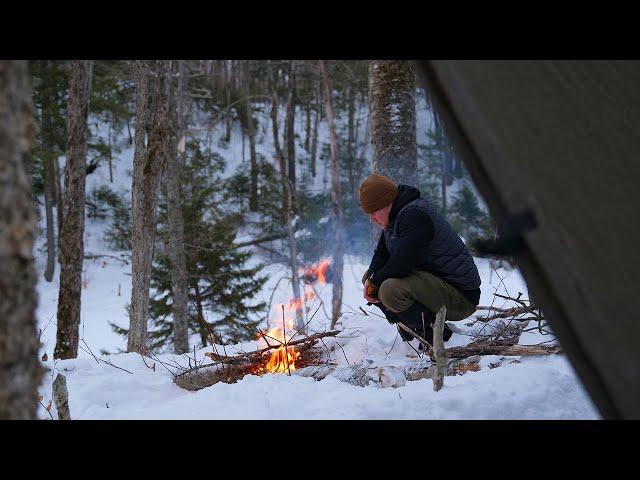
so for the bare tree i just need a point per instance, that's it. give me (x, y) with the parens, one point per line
(229, 97)
(336, 199)
(287, 205)
(289, 128)
(175, 161)
(314, 141)
(148, 162)
(49, 178)
(20, 371)
(253, 192)
(72, 231)
(439, 143)
(392, 117)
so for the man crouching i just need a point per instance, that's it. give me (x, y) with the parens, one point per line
(420, 262)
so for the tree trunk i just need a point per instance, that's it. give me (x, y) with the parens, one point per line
(148, 163)
(287, 206)
(443, 171)
(229, 116)
(20, 371)
(253, 192)
(72, 232)
(314, 142)
(175, 162)
(203, 323)
(58, 185)
(336, 199)
(48, 207)
(110, 152)
(307, 137)
(392, 116)
(49, 182)
(289, 129)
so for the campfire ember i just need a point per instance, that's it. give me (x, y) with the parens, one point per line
(283, 359)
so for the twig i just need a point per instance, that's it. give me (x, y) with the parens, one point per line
(47, 409)
(99, 360)
(284, 334)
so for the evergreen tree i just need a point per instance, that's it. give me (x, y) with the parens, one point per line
(118, 235)
(221, 286)
(467, 218)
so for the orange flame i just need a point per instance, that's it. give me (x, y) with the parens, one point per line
(283, 359)
(318, 271)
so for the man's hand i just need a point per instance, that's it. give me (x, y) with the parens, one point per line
(370, 292)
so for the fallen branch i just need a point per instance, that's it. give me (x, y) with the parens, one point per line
(438, 349)
(91, 256)
(504, 350)
(257, 241)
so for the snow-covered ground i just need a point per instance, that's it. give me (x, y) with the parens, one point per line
(535, 388)
(532, 388)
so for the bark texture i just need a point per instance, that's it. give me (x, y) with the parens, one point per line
(61, 397)
(72, 231)
(20, 371)
(175, 162)
(148, 162)
(336, 199)
(392, 119)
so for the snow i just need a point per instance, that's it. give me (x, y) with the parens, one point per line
(535, 388)
(543, 387)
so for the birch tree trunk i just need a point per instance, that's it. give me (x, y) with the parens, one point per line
(392, 116)
(20, 371)
(71, 241)
(148, 163)
(287, 206)
(336, 199)
(175, 161)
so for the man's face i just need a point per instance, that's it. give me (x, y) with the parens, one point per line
(381, 217)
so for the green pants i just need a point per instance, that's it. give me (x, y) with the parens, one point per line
(398, 294)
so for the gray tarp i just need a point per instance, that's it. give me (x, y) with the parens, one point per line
(561, 139)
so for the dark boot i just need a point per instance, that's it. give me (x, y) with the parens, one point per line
(412, 318)
(391, 317)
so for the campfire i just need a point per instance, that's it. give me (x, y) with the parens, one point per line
(284, 358)
(284, 348)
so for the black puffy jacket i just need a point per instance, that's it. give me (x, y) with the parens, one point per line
(419, 238)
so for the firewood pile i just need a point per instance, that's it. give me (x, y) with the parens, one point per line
(230, 369)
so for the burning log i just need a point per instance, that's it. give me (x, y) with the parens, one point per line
(230, 369)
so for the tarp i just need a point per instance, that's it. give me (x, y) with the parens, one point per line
(557, 143)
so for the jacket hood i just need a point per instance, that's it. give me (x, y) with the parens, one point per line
(406, 194)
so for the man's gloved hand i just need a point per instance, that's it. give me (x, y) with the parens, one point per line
(370, 291)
